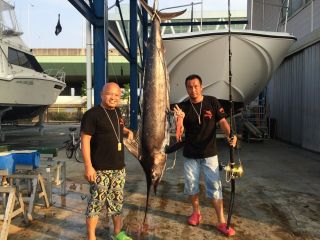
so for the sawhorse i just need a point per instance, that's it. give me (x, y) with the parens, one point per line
(38, 189)
(54, 171)
(10, 198)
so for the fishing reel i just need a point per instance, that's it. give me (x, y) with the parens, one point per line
(233, 171)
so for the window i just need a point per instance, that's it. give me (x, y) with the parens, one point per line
(34, 63)
(294, 6)
(13, 57)
(23, 59)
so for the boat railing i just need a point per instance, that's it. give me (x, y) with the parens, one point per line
(8, 20)
(59, 74)
(282, 19)
(281, 24)
(8, 31)
(192, 21)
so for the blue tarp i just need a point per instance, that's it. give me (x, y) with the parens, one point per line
(8, 160)
(26, 157)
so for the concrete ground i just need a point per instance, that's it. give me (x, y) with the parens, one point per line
(277, 198)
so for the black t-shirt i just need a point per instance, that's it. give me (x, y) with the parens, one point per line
(104, 143)
(201, 138)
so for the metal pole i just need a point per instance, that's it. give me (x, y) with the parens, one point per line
(201, 15)
(251, 15)
(311, 16)
(231, 202)
(144, 34)
(88, 65)
(263, 15)
(99, 49)
(133, 66)
(106, 38)
(285, 23)
(191, 16)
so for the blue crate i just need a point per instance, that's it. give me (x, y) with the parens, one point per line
(26, 157)
(7, 162)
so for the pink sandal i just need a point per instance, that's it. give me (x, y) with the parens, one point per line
(194, 219)
(222, 227)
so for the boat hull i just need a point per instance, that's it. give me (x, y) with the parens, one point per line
(30, 91)
(255, 56)
(28, 97)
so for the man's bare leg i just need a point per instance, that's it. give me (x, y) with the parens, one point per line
(195, 203)
(91, 227)
(116, 224)
(218, 207)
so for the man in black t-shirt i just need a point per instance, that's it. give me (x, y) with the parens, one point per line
(198, 116)
(102, 129)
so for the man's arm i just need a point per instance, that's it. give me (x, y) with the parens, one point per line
(128, 132)
(226, 129)
(90, 172)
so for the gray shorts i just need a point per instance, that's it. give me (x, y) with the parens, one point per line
(210, 168)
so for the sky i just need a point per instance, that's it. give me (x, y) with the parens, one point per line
(38, 18)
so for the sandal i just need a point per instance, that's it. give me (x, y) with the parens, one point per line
(222, 227)
(194, 219)
(122, 236)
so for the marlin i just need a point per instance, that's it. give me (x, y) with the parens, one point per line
(154, 129)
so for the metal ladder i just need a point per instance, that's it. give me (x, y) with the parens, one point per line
(255, 121)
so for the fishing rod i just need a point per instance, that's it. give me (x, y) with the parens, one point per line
(232, 170)
(231, 161)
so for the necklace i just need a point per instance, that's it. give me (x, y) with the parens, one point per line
(114, 130)
(198, 114)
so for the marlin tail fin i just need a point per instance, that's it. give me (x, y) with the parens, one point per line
(163, 16)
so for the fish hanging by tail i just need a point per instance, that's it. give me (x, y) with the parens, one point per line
(154, 127)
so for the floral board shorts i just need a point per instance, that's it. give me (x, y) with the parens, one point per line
(107, 191)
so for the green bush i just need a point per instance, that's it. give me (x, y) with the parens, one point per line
(63, 116)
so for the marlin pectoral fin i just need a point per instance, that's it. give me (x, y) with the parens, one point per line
(132, 147)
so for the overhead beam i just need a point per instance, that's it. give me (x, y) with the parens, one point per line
(119, 46)
(87, 12)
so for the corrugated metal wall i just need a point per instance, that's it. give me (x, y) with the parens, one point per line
(266, 16)
(294, 98)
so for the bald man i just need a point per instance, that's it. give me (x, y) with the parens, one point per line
(102, 130)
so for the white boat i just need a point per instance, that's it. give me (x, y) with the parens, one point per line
(25, 88)
(255, 56)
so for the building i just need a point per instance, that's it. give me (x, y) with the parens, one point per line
(293, 92)
(73, 62)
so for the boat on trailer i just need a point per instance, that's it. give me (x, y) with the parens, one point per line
(255, 56)
(26, 90)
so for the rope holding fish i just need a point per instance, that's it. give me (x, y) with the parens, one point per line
(173, 116)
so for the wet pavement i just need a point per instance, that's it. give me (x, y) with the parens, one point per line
(277, 198)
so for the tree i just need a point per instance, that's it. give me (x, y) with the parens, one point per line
(84, 88)
(126, 92)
